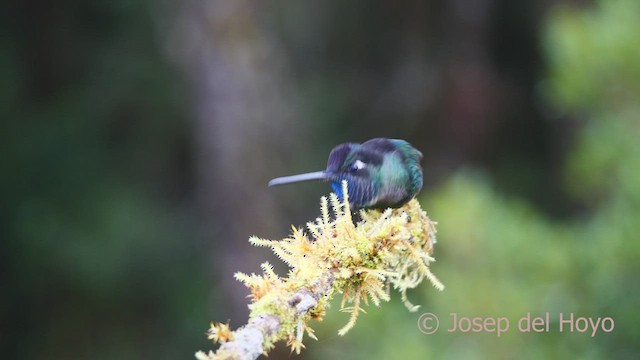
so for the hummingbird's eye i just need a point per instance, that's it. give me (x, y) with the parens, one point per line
(357, 165)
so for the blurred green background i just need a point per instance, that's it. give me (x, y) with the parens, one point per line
(137, 138)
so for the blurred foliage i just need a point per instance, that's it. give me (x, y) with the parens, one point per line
(593, 62)
(98, 256)
(594, 71)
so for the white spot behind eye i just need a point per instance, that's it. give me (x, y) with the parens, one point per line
(358, 164)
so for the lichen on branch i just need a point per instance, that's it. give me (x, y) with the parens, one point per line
(360, 261)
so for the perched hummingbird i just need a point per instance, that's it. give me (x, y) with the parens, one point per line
(380, 173)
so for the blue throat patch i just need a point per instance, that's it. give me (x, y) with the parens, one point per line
(337, 188)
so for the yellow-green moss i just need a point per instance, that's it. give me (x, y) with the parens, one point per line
(391, 247)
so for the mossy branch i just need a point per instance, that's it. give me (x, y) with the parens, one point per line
(391, 247)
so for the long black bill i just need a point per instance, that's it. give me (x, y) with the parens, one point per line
(318, 175)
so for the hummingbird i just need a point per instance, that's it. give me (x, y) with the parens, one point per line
(380, 173)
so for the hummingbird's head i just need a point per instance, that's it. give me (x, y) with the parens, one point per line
(379, 173)
(360, 167)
